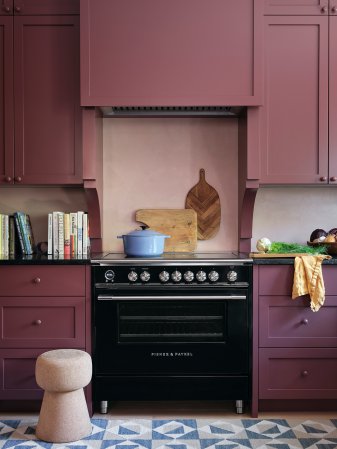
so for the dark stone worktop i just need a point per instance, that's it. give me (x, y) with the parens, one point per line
(40, 259)
(288, 261)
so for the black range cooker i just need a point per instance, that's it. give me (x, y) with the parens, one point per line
(176, 326)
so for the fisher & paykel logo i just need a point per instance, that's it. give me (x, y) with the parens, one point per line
(171, 354)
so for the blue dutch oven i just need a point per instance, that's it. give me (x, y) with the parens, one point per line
(144, 243)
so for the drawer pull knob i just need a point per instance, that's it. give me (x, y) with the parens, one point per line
(37, 280)
(305, 373)
(305, 321)
(38, 322)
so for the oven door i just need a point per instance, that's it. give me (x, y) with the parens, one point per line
(180, 332)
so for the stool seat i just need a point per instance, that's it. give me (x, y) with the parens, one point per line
(64, 416)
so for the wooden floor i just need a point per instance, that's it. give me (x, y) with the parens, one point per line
(183, 409)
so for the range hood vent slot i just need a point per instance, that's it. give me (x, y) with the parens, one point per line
(171, 111)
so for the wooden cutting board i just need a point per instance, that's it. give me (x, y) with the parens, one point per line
(204, 199)
(180, 224)
(268, 256)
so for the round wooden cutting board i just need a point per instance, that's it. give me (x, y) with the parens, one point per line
(204, 199)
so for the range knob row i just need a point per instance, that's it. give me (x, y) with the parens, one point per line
(176, 276)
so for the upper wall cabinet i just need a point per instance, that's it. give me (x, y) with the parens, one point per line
(171, 53)
(39, 7)
(40, 114)
(300, 7)
(298, 132)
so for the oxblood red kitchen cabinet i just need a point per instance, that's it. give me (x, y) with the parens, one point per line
(39, 7)
(303, 7)
(42, 307)
(173, 53)
(40, 115)
(298, 136)
(296, 348)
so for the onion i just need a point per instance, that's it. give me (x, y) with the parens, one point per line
(318, 235)
(263, 244)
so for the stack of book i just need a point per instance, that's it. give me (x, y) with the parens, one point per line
(68, 234)
(16, 234)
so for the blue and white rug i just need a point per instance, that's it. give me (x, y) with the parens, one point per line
(184, 434)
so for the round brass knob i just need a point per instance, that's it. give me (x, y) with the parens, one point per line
(38, 322)
(334, 9)
(305, 321)
(305, 373)
(324, 9)
(6, 9)
(323, 178)
(18, 179)
(37, 280)
(8, 179)
(17, 8)
(333, 179)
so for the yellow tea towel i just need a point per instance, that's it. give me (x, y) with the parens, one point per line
(308, 279)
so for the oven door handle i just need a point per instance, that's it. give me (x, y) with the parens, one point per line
(156, 298)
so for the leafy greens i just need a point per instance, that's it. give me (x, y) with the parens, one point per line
(284, 248)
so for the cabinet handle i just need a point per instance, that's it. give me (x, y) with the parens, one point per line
(38, 322)
(305, 373)
(305, 321)
(334, 9)
(8, 179)
(323, 178)
(333, 179)
(17, 8)
(324, 9)
(37, 280)
(6, 9)
(18, 179)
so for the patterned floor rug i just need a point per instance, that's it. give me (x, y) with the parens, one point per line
(184, 434)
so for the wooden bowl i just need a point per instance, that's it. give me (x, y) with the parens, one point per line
(331, 247)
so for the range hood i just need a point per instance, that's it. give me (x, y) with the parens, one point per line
(171, 111)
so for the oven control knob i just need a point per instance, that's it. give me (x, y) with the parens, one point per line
(201, 276)
(164, 276)
(232, 276)
(109, 275)
(145, 276)
(132, 276)
(189, 276)
(213, 276)
(176, 276)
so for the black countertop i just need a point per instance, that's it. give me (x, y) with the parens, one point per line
(288, 261)
(40, 259)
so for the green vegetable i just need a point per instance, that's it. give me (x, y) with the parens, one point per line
(282, 247)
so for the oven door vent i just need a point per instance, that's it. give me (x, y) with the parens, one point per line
(171, 111)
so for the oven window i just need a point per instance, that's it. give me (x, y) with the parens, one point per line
(172, 321)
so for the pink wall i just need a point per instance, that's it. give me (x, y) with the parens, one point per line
(152, 163)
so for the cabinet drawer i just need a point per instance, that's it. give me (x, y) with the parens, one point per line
(286, 322)
(42, 323)
(17, 374)
(40, 280)
(297, 373)
(278, 279)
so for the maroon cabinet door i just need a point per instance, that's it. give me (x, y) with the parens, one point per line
(47, 110)
(39, 7)
(178, 52)
(333, 101)
(296, 7)
(6, 101)
(294, 119)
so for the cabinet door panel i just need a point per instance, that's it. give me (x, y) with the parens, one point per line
(286, 322)
(294, 119)
(43, 322)
(47, 111)
(296, 7)
(153, 53)
(304, 373)
(40, 7)
(333, 101)
(6, 101)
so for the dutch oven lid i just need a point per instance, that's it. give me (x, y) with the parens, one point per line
(144, 232)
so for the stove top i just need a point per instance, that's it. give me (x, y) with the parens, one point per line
(230, 257)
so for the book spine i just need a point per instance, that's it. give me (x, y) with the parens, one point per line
(6, 236)
(1, 237)
(61, 233)
(11, 235)
(88, 236)
(55, 234)
(22, 221)
(67, 234)
(30, 233)
(79, 233)
(19, 233)
(85, 235)
(73, 233)
(50, 233)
